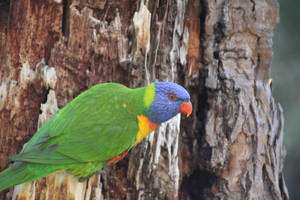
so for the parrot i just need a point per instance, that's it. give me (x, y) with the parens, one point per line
(96, 129)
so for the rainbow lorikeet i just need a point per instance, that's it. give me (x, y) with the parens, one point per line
(96, 129)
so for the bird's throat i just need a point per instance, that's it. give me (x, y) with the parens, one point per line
(145, 128)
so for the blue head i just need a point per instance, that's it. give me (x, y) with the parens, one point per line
(169, 100)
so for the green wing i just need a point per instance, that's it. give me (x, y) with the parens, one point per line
(95, 126)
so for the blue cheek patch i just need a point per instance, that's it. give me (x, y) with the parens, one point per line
(162, 108)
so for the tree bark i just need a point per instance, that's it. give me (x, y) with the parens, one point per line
(231, 147)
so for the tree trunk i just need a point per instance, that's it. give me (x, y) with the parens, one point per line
(231, 147)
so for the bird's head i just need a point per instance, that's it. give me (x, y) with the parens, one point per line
(165, 100)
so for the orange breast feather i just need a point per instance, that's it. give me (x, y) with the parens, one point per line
(145, 128)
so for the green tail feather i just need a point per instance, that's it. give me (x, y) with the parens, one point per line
(23, 173)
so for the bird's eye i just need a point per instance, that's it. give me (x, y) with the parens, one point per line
(172, 97)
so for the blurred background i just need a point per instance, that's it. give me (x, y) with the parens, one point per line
(285, 72)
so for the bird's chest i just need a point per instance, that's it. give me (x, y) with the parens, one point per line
(145, 128)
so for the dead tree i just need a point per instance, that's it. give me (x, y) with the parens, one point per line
(231, 147)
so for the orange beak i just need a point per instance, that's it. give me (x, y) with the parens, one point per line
(186, 108)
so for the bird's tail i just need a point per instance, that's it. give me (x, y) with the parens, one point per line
(21, 174)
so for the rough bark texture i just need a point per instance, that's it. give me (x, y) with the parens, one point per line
(231, 147)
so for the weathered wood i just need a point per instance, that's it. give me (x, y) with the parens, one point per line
(231, 147)
(237, 134)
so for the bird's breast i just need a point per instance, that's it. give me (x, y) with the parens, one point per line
(145, 128)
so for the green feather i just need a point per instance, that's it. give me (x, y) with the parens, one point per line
(24, 173)
(99, 124)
